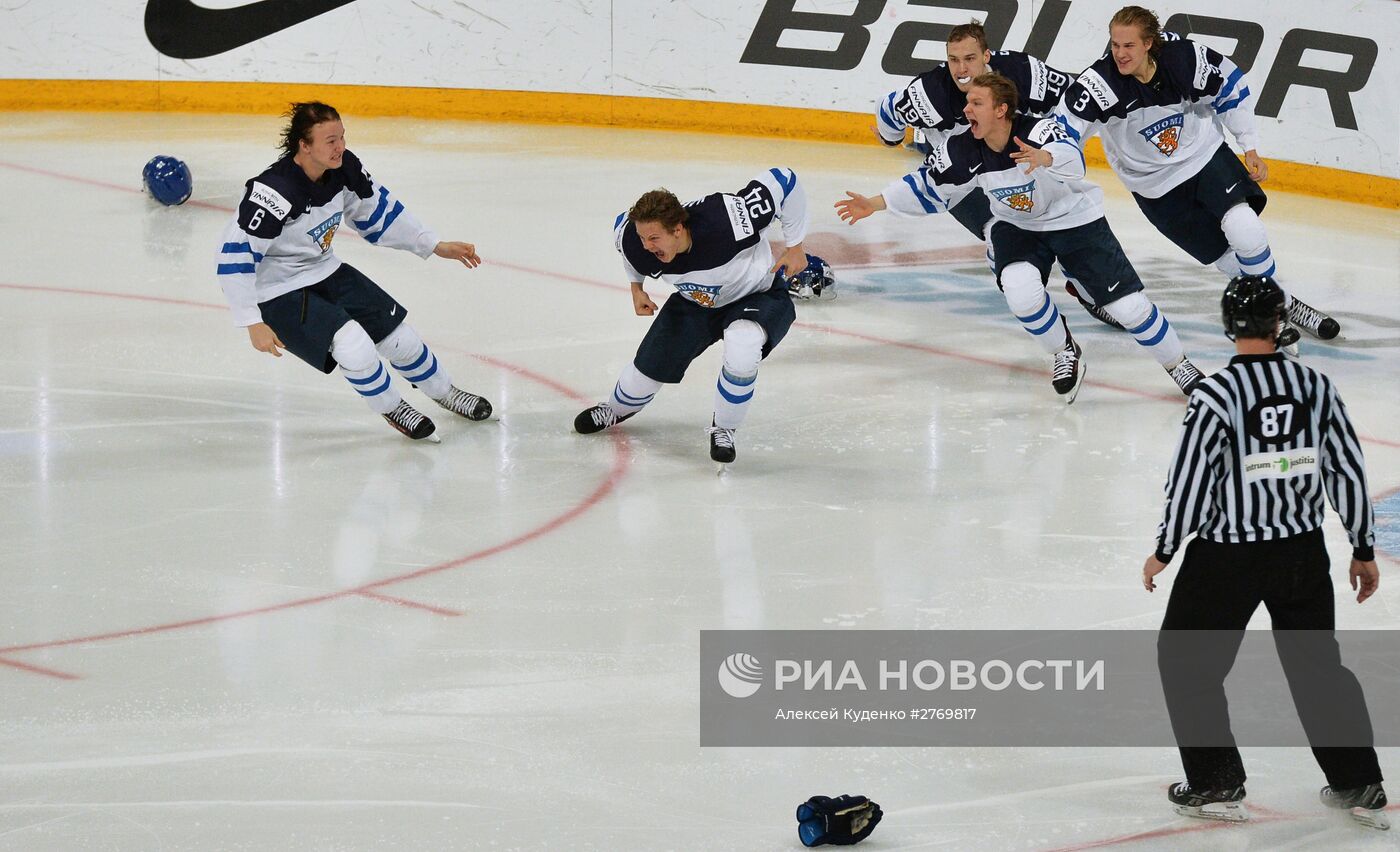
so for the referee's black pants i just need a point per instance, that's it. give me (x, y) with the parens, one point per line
(1219, 587)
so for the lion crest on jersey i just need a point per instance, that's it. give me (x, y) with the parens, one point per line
(701, 294)
(1019, 198)
(1165, 135)
(325, 232)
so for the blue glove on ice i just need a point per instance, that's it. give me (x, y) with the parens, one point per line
(841, 821)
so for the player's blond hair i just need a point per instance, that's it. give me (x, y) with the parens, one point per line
(1146, 22)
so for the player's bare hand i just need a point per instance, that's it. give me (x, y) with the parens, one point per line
(855, 207)
(793, 261)
(1257, 168)
(1034, 158)
(465, 253)
(1151, 568)
(264, 339)
(641, 302)
(1365, 578)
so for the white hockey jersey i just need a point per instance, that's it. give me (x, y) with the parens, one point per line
(933, 103)
(1054, 198)
(1158, 134)
(280, 238)
(729, 257)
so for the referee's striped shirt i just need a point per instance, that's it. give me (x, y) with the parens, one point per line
(1262, 440)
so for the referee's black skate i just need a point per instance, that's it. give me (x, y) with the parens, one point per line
(1366, 804)
(721, 444)
(1068, 372)
(1225, 804)
(469, 405)
(412, 423)
(1185, 375)
(597, 418)
(1311, 320)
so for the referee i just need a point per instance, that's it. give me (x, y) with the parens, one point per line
(1262, 441)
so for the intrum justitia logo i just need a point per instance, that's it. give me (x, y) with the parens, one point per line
(740, 675)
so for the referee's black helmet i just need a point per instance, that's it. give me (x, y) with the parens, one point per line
(1253, 306)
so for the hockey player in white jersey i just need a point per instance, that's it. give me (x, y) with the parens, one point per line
(1043, 210)
(932, 103)
(285, 285)
(1161, 105)
(714, 253)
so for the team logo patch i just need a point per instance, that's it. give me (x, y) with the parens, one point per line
(1019, 198)
(1165, 134)
(325, 232)
(703, 295)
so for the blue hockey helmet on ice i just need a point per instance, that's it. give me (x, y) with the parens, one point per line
(816, 281)
(168, 180)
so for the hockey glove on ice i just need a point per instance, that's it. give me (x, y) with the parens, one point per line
(841, 821)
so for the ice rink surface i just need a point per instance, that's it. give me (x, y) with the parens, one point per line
(239, 612)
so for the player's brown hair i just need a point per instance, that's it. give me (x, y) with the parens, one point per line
(1146, 22)
(969, 30)
(661, 206)
(301, 117)
(1003, 91)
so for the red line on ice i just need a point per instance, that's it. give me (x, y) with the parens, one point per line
(618, 469)
(438, 610)
(38, 669)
